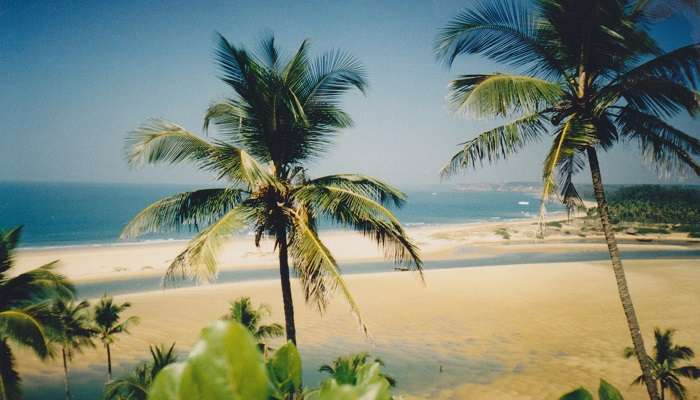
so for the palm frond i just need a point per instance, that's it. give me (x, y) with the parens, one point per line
(8, 242)
(371, 187)
(198, 260)
(331, 75)
(362, 213)
(503, 31)
(9, 377)
(681, 65)
(161, 141)
(663, 147)
(497, 143)
(183, 210)
(317, 269)
(502, 94)
(688, 371)
(23, 328)
(37, 285)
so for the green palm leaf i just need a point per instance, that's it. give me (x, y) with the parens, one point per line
(497, 143)
(25, 329)
(9, 378)
(502, 94)
(198, 260)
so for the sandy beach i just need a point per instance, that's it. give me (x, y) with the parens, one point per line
(528, 331)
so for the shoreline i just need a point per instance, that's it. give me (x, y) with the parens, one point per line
(473, 240)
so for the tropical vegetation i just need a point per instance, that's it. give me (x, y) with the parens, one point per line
(229, 365)
(24, 311)
(107, 316)
(606, 391)
(589, 76)
(72, 332)
(345, 370)
(667, 373)
(136, 384)
(283, 114)
(243, 312)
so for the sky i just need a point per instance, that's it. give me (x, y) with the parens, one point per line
(77, 76)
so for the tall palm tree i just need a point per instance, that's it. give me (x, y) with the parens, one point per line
(665, 361)
(344, 369)
(135, 385)
(23, 310)
(591, 76)
(243, 312)
(107, 316)
(282, 115)
(72, 332)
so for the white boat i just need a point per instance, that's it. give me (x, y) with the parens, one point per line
(524, 203)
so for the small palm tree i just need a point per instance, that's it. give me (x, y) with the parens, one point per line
(592, 77)
(72, 332)
(107, 320)
(283, 114)
(135, 385)
(665, 361)
(23, 310)
(344, 369)
(243, 312)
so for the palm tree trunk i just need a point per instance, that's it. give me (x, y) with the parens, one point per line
(663, 395)
(109, 363)
(65, 372)
(623, 291)
(286, 287)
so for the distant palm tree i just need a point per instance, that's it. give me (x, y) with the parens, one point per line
(135, 385)
(243, 312)
(72, 332)
(283, 114)
(107, 316)
(593, 77)
(344, 369)
(23, 310)
(667, 373)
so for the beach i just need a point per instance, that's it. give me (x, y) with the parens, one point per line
(527, 331)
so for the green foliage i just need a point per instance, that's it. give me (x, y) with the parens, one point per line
(226, 364)
(656, 204)
(135, 385)
(242, 311)
(24, 312)
(346, 370)
(667, 355)
(284, 372)
(555, 224)
(606, 391)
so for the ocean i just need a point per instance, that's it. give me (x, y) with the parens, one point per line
(79, 214)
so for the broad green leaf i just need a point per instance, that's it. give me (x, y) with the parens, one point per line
(578, 394)
(225, 364)
(607, 391)
(370, 386)
(284, 370)
(166, 386)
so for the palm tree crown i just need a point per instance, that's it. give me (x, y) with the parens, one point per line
(135, 385)
(345, 369)
(594, 77)
(667, 356)
(243, 312)
(107, 316)
(24, 310)
(590, 77)
(284, 113)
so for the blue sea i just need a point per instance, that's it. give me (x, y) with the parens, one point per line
(73, 214)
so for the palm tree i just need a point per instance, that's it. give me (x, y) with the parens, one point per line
(23, 310)
(344, 369)
(107, 316)
(72, 332)
(135, 385)
(243, 312)
(283, 114)
(667, 373)
(592, 77)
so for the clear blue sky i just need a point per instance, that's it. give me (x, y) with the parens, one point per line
(76, 76)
